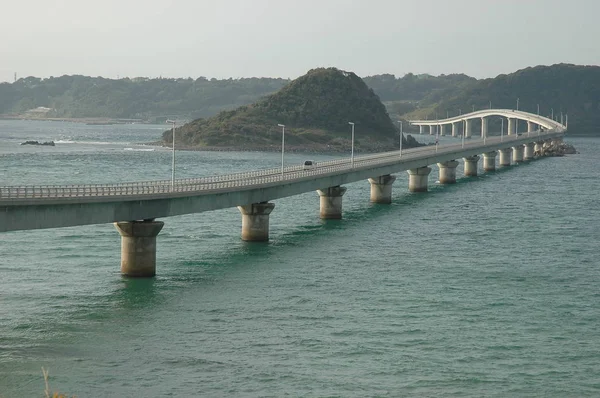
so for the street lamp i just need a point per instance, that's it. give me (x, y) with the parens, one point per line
(173, 161)
(352, 153)
(460, 112)
(400, 121)
(282, 145)
(538, 109)
(490, 104)
(517, 103)
(473, 108)
(552, 117)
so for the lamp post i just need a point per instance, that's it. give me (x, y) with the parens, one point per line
(552, 117)
(173, 160)
(538, 109)
(460, 112)
(473, 108)
(400, 121)
(517, 103)
(490, 104)
(501, 129)
(282, 145)
(352, 153)
(464, 132)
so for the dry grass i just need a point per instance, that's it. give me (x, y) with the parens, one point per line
(55, 394)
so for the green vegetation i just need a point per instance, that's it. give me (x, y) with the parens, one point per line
(315, 109)
(570, 89)
(138, 98)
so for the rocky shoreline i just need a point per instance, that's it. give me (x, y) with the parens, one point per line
(555, 148)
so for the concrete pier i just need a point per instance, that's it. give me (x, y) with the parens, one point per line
(471, 165)
(418, 178)
(455, 129)
(381, 189)
(489, 161)
(511, 126)
(530, 126)
(255, 221)
(331, 202)
(442, 129)
(468, 128)
(432, 130)
(528, 151)
(517, 154)
(138, 247)
(484, 127)
(505, 157)
(421, 129)
(447, 171)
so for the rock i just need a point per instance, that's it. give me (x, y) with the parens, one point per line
(556, 148)
(47, 143)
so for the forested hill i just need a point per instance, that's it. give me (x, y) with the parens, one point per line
(315, 109)
(566, 88)
(138, 98)
(413, 87)
(156, 99)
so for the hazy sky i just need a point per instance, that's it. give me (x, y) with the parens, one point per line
(286, 38)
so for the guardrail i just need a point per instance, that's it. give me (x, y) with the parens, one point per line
(236, 180)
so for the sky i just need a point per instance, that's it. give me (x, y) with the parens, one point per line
(286, 38)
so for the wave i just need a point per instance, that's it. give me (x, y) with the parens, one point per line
(91, 142)
(139, 149)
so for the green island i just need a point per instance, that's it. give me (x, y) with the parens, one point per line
(315, 109)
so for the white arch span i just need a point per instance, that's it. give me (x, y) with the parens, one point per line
(545, 122)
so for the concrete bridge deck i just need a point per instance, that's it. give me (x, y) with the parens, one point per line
(133, 207)
(35, 207)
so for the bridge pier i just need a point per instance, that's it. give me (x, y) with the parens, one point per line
(447, 172)
(417, 179)
(255, 221)
(455, 129)
(442, 129)
(432, 130)
(517, 154)
(138, 247)
(530, 127)
(381, 189)
(504, 156)
(484, 127)
(528, 153)
(538, 148)
(471, 165)
(421, 129)
(489, 161)
(331, 202)
(511, 126)
(468, 128)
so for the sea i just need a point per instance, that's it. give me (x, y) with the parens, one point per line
(485, 288)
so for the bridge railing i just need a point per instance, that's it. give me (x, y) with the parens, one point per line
(244, 179)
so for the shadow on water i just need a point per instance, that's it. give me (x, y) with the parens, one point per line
(136, 293)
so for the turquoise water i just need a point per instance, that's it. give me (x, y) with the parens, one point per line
(484, 288)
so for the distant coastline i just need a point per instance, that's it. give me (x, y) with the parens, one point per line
(83, 120)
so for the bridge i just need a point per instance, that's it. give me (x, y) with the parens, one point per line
(134, 207)
(462, 125)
